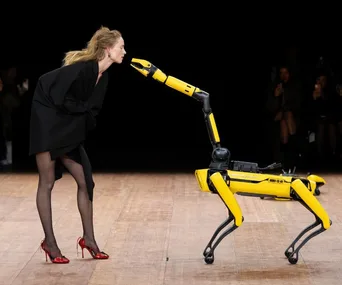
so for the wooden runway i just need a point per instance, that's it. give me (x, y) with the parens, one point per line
(155, 227)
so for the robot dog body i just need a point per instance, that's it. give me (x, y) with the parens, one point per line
(226, 178)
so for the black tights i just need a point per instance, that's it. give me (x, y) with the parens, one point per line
(46, 169)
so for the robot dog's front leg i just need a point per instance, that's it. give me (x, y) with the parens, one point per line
(301, 193)
(218, 185)
(208, 252)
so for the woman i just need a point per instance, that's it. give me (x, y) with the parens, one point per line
(64, 107)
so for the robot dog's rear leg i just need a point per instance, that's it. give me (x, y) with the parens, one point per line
(291, 252)
(309, 201)
(234, 214)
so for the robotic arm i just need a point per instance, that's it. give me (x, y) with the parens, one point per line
(220, 156)
(149, 70)
(226, 178)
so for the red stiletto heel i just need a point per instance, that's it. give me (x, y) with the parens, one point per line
(99, 255)
(59, 259)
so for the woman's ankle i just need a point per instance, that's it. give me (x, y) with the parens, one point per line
(90, 241)
(52, 248)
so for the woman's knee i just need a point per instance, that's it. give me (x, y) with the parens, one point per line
(46, 170)
(84, 186)
(46, 184)
(81, 185)
(291, 123)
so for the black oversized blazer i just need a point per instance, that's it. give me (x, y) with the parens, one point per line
(65, 104)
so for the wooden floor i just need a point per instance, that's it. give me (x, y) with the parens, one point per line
(155, 227)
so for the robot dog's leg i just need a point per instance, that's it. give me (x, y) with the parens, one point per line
(309, 201)
(210, 247)
(234, 214)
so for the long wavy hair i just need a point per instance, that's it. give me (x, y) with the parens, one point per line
(95, 49)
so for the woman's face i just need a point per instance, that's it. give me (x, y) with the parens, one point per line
(284, 74)
(117, 52)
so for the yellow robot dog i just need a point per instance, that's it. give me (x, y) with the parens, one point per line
(226, 178)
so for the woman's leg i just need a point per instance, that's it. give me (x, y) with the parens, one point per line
(85, 205)
(284, 138)
(293, 141)
(284, 132)
(291, 123)
(46, 170)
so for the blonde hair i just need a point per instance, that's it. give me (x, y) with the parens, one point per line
(95, 50)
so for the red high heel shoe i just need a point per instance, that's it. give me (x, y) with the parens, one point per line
(99, 255)
(59, 259)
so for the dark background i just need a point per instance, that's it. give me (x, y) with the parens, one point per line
(147, 126)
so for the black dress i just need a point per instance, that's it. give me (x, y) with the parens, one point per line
(65, 104)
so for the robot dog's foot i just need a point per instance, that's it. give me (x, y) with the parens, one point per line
(208, 255)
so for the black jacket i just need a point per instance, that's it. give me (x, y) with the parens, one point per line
(64, 107)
